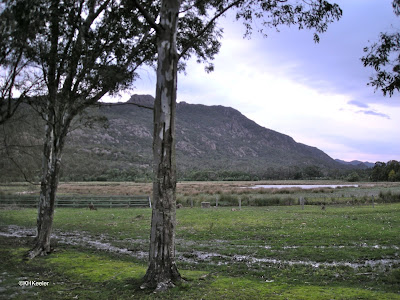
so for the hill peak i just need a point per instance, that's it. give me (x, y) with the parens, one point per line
(145, 100)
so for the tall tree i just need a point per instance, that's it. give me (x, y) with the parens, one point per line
(384, 57)
(16, 83)
(81, 50)
(190, 27)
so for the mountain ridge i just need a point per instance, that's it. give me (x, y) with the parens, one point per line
(361, 164)
(212, 143)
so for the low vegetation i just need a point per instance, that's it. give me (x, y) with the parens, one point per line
(231, 193)
(345, 251)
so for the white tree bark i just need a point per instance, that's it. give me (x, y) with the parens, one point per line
(52, 150)
(162, 272)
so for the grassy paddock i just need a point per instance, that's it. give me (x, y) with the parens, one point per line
(276, 252)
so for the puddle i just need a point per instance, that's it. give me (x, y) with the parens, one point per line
(19, 232)
(367, 263)
(305, 186)
(99, 245)
(101, 242)
(26, 193)
(77, 238)
(199, 256)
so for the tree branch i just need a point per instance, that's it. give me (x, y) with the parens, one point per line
(6, 148)
(147, 16)
(77, 47)
(210, 23)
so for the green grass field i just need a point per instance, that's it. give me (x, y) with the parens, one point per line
(274, 252)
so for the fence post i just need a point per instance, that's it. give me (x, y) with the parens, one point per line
(302, 202)
(216, 201)
(191, 203)
(205, 205)
(149, 201)
(240, 203)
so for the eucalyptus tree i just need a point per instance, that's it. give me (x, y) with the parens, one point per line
(16, 83)
(81, 50)
(181, 28)
(384, 57)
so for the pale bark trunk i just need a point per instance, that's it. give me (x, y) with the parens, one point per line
(162, 272)
(52, 151)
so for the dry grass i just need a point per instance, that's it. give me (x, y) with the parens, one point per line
(106, 188)
(183, 188)
(228, 193)
(130, 188)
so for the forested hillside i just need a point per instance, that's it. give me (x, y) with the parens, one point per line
(213, 142)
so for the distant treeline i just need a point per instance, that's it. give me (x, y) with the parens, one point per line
(78, 170)
(284, 173)
(386, 171)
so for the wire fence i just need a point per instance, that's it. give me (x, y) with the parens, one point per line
(79, 201)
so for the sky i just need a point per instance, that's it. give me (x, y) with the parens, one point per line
(315, 93)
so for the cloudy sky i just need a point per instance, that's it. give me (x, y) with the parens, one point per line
(315, 93)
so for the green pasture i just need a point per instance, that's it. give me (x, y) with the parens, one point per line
(273, 252)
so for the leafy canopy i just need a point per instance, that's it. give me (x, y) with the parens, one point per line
(384, 57)
(199, 33)
(82, 49)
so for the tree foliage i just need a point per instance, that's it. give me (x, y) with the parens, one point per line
(384, 57)
(314, 15)
(389, 171)
(199, 32)
(16, 82)
(21, 146)
(80, 51)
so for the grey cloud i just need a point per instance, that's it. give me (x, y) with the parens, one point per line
(334, 65)
(358, 104)
(374, 113)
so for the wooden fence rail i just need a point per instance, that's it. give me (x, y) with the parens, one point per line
(78, 201)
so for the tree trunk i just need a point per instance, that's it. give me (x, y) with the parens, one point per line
(53, 145)
(162, 271)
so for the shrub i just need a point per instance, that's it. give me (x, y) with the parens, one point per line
(353, 177)
(287, 201)
(388, 197)
(267, 201)
(228, 200)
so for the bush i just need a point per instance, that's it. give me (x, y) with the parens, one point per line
(353, 177)
(287, 201)
(266, 201)
(388, 197)
(270, 201)
(228, 200)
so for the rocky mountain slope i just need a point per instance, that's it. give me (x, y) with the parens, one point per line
(210, 141)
